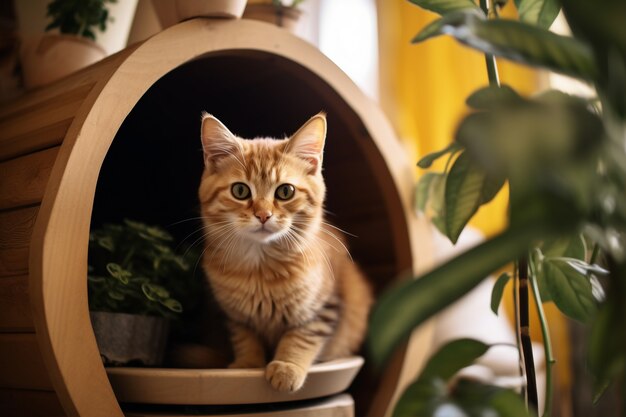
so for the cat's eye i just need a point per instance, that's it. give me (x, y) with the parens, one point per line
(285, 192)
(240, 191)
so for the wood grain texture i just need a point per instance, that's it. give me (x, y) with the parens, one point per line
(13, 262)
(41, 125)
(16, 227)
(337, 406)
(21, 364)
(15, 314)
(28, 403)
(23, 180)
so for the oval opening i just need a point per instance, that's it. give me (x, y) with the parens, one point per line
(152, 170)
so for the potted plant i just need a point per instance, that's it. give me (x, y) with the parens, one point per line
(171, 12)
(281, 13)
(54, 55)
(135, 282)
(564, 159)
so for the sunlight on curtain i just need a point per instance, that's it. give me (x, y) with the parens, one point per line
(347, 35)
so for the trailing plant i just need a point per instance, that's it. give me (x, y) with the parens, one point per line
(134, 269)
(564, 158)
(79, 17)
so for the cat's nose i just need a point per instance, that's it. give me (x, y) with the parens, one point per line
(263, 215)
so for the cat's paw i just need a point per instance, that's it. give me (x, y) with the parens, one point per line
(285, 376)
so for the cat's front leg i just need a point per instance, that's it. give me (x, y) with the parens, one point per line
(296, 351)
(247, 347)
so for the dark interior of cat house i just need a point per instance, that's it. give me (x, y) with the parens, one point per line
(153, 168)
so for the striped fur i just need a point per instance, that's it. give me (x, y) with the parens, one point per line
(291, 292)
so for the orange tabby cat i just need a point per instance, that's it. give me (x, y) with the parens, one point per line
(279, 272)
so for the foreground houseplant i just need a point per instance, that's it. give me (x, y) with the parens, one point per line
(564, 159)
(135, 278)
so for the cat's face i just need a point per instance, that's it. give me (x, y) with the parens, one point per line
(262, 190)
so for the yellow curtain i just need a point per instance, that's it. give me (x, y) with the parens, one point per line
(423, 88)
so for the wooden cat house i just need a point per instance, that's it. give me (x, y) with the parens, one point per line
(121, 138)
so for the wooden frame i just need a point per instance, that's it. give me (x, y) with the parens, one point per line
(92, 106)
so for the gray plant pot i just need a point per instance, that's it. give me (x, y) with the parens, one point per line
(130, 338)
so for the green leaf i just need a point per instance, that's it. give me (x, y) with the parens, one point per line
(155, 292)
(498, 291)
(505, 403)
(532, 46)
(401, 309)
(107, 243)
(463, 398)
(544, 289)
(444, 7)
(428, 160)
(570, 291)
(116, 295)
(116, 271)
(436, 203)
(491, 187)
(441, 26)
(423, 189)
(570, 247)
(582, 267)
(547, 149)
(422, 398)
(538, 12)
(489, 97)
(429, 392)
(516, 41)
(463, 194)
(452, 357)
(173, 305)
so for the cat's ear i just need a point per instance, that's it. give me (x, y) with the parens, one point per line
(308, 142)
(217, 141)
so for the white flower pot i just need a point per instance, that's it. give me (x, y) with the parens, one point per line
(171, 12)
(49, 57)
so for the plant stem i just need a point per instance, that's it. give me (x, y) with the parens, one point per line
(527, 348)
(521, 310)
(518, 339)
(547, 344)
(594, 254)
(490, 60)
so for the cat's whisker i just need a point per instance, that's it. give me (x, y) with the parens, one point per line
(190, 219)
(229, 237)
(200, 230)
(219, 235)
(338, 249)
(298, 246)
(338, 240)
(317, 245)
(234, 241)
(339, 229)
